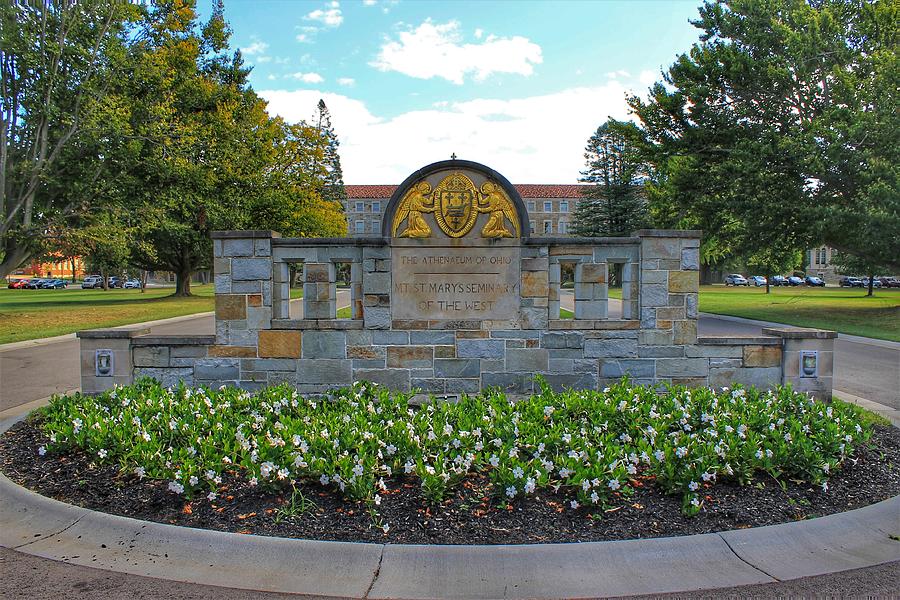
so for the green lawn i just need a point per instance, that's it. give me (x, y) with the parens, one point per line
(32, 314)
(841, 309)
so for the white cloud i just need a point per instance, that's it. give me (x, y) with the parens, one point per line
(436, 50)
(346, 81)
(478, 33)
(648, 78)
(256, 48)
(330, 17)
(536, 139)
(307, 77)
(369, 2)
(620, 74)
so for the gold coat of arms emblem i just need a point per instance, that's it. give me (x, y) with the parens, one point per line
(456, 203)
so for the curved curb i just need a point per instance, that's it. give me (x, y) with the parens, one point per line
(51, 529)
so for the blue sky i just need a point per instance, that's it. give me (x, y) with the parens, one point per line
(519, 86)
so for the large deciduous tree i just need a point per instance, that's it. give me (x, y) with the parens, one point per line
(778, 130)
(57, 60)
(614, 205)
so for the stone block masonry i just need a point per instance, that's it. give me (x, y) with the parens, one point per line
(454, 299)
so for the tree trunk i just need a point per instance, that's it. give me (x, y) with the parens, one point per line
(103, 280)
(768, 279)
(72, 260)
(183, 282)
(871, 284)
(143, 280)
(14, 258)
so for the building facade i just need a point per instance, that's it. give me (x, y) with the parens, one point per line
(551, 208)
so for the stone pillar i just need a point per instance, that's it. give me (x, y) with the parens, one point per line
(356, 295)
(319, 291)
(281, 291)
(115, 346)
(244, 285)
(535, 291)
(376, 287)
(819, 345)
(591, 291)
(630, 281)
(669, 286)
(555, 280)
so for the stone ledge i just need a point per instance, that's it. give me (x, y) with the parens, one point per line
(354, 241)
(576, 324)
(800, 333)
(738, 340)
(342, 324)
(250, 233)
(111, 334)
(668, 233)
(174, 340)
(581, 241)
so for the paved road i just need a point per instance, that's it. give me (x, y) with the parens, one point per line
(26, 374)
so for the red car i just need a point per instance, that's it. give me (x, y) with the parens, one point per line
(16, 284)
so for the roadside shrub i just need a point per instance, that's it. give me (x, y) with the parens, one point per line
(587, 444)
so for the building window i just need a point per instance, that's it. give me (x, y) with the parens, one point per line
(548, 226)
(563, 226)
(824, 257)
(531, 206)
(376, 227)
(360, 227)
(531, 226)
(563, 206)
(548, 206)
(360, 206)
(376, 207)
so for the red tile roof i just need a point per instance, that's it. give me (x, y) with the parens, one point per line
(526, 190)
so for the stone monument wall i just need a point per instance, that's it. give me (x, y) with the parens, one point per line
(454, 299)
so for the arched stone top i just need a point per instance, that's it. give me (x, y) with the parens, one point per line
(455, 199)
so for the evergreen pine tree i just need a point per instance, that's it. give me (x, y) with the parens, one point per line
(331, 173)
(614, 205)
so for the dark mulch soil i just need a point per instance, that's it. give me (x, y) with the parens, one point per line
(469, 516)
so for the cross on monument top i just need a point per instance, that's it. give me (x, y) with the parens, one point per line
(453, 156)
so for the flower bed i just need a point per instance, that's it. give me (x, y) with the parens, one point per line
(583, 445)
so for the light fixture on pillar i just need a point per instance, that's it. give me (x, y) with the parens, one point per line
(809, 363)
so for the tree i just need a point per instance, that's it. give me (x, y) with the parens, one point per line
(614, 205)
(331, 176)
(851, 264)
(774, 131)
(58, 59)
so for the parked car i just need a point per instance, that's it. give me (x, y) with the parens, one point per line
(779, 280)
(116, 282)
(34, 284)
(54, 284)
(736, 279)
(794, 280)
(16, 284)
(875, 282)
(92, 282)
(758, 280)
(889, 282)
(848, 281)
(813, 281)
(132, 284)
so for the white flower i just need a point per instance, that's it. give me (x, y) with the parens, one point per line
(681, 452)
(511, 491)
(759, 454)
(659, 455)
(210, 474)
(78, 423)
(585, 485)
(102, 453)
(614, 484)
(548, 410)
(176, 487)
(385, 528)
(693, 486)
(529, 485)
(518, 473)
(409, 467)
(324, 479)
(494, 460)
(595, 497)
(513, 452)
(694, 501)
(266, 469)
(42, 450)
(140, 472)
(567, 437)
(574, 504)
(193, 480)
(708, 476)
(631, 469)
(211, 496)
(769, 453)
(377, 500)
(787, 437)
(283, 473)
(358, 470)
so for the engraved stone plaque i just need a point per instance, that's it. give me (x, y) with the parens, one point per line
(455, 281)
